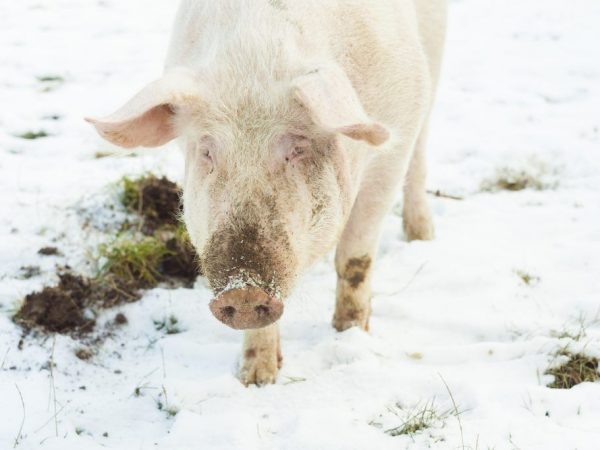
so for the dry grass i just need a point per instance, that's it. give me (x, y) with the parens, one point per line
(415, 419)
(536, 175)
(527, 278)
(577, 368)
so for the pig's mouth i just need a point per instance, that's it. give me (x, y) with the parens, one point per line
(246, 308)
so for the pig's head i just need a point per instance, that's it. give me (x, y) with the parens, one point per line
(268, 174)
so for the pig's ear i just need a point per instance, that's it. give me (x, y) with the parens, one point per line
(333, 105)
(147, 120)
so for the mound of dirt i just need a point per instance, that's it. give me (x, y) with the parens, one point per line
(156, 200)
(180, 261)
(67, 307)
(58, 309)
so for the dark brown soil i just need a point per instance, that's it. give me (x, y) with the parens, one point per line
(121, 319)
(62, 308)
(157, 202)
(48, 251)
(84, 353)
(109, 291)
(180, 261)
(58, 309)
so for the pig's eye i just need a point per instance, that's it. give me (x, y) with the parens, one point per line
(295, 153)
(297, 148)
(207, 155)
(206, 148)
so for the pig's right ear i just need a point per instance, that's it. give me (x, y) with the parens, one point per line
(333, 105)
(147, 120)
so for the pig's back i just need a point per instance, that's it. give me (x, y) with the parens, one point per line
(390, 49)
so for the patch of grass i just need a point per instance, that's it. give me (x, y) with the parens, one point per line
(527, 277)
(509, 180)
(577, 368)
(50, 82)
(133, 260)
(50, 79)
(536, 175)
(32, 135)
(130, 196)
(170, 325)
(577, 329)
(27, 272)
(415, 419)
(171, 411)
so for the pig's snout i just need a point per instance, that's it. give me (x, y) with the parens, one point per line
(246, 308)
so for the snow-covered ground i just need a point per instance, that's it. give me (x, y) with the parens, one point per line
(520, 93)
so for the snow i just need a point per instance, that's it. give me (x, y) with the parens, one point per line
(520, 92)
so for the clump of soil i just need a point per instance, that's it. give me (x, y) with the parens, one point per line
(84, 353)
(120, 319)
(180, 260)
(48, 251)
(58, 309)
(69, 306)
(156, 200)
(577, 369)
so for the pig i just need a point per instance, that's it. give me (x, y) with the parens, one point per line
(299, 122)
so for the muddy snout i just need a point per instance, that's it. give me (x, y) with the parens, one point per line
(246, 308)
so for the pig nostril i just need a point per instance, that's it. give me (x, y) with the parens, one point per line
(228, 312)
(262, 310)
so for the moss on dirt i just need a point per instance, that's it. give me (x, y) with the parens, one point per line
(156, 200)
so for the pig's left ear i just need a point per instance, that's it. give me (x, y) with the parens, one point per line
(333, 105)
(147, 120)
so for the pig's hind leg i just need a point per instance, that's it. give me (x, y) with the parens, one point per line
(261, 357)
(416, 216)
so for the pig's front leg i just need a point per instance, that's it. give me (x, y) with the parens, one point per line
(353, 295)
(261, 358)
(358, 245)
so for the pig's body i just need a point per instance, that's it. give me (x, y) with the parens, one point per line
(258, 224)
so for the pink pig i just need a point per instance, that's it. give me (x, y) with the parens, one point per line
(299, 121)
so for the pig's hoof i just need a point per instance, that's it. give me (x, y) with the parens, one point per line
(419, 230)
(343, 322)
(260, 367)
